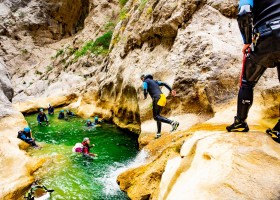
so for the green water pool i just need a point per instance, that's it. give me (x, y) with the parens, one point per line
(73, 176)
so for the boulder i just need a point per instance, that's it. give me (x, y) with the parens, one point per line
(218, 165)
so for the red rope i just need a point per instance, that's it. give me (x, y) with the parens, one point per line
(243, 65)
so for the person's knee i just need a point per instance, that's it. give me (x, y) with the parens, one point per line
(156, 118)
(247, 85)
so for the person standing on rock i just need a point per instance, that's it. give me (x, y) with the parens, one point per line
(259, 24)
(42, 117)
(159, 100)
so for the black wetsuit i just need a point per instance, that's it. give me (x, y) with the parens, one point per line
(69, 114)
(26, 137)
(265, 18)
(61, 115)
(42, 117)
(50, 110)
(152, 87)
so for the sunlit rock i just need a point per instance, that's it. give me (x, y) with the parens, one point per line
(218, 165)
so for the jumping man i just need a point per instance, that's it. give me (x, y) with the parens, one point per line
(159, 100)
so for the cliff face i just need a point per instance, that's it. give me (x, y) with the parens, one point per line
(197, 49)
(17, 168)
(93, 59)
(6, 91)
(192, 45)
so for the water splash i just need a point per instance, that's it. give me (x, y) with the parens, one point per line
(109, 181)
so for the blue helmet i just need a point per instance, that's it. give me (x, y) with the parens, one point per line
(41, 110)
(96, 117)
(62, 111)
(88, 120)
(27, 129)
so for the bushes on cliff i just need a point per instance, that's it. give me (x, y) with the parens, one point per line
(99, 46)
(122, 2)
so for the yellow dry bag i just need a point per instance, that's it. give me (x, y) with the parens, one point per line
(162, 100)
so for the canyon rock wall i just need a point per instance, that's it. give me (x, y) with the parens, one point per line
(193, 45)
(17, 167)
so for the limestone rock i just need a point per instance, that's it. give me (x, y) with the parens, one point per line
(45, 20)
(16, 172)
(216, 165)
(143, 182)
(211, 165)
(227, 8)
(6, 91)
(17, 168)
(34, 104)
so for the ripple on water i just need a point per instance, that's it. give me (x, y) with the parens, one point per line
(71, 175)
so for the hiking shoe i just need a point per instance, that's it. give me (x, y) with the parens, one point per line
(174, 125)
(273, 133)
(238, 126)
(158, 135)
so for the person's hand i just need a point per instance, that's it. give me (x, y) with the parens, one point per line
(245, 47)
(173, 92)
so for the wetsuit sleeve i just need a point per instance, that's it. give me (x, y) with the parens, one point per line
(245, 20)
(145, 87)
(38, 119)
(165, 85)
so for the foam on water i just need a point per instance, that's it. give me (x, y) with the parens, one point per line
(112, 172)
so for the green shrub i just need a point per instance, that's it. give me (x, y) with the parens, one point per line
(38, 72)
(59, 52)
(122, 2)
(99, 46)
(84, 49)
(109, 26)
(142, 4)
(49, 68)
(71, 51)
(24, 51)
(104, 40)
(123, 14)
(149, 11)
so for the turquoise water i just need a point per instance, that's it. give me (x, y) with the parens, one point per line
(73, 176)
